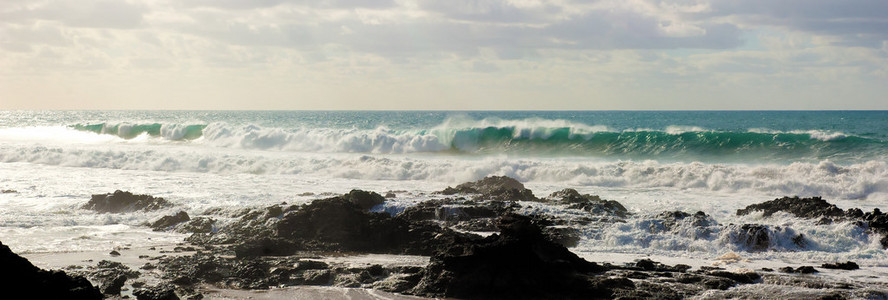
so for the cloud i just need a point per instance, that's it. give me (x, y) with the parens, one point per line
(94, 14)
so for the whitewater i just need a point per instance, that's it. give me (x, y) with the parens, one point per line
(716, 162)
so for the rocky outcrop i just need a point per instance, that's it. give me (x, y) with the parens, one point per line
(20, 278)
(814, 207)
(519, 263)
(167, 222)
(494, 188)
(591, 203)
(123, 202)
(810, 208)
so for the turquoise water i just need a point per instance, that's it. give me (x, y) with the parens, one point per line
(712, 136)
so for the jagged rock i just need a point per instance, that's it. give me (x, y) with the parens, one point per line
(590, 203)
(122, 202)
(336, 224)
(799, 270)
(265, 246)
(850, 265)
(197, 225)
(163, 292)
(518, 263)
(167, 222)
(754, 237)
(494, 188)
(19, 277)
(814, 207)
(363, 199)
(113, 287)
(741, 277)
(251, 224)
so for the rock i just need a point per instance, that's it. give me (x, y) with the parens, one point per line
(814, 207)
(122, 202)
(19, 277)
(114, 253)
(741, 277)
(494, 188)
(337, 224)
(518, 263)
(799, 270)
(166, 222)
(265, 246)
(850, 265)
(8, 192)
(364, 200)
(754, 237)
(156, 293)
(197, 225)
(390, 195)
(113, 287)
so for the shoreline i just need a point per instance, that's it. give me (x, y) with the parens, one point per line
(344, 247)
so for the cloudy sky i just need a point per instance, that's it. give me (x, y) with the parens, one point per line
(443, 54)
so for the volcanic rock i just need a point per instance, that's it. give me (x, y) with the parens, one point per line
(167, 222)
(19, 277)
(850, 265)
(122, 202)
(495, 188)
(814, 207)
(519, 263)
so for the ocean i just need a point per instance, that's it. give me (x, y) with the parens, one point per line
(650, 161)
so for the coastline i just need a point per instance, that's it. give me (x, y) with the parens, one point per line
(340, 265)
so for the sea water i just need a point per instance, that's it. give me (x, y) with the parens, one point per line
(710, 161)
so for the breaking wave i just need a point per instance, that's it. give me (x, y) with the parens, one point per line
(530, 136)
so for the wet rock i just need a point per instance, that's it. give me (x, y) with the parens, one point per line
(336, 224)
(122, 202)
(19, 277)
(8, 192)
(799, 270)
(591, 203)
(113, 287)
(754, 237)
(197, 225)
(850, 265)
(650, 265)
(163, 292)
(251, 224)
(494, 188)
(265, 246)
(741, 277)
(167, 222)
(114, 253)
(363, 199)
(814, 207)
(518, 263)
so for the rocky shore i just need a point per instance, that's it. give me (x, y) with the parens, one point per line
(479, 242)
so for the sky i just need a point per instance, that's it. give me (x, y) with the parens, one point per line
(453, 54)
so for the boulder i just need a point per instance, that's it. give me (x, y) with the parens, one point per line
(519, 263)
(814, 207)
(590, 203)
(850, 265)
(494, 188)
(363, 199)
(19, 278)
(163, 292)
(167, 222)
(123, 202)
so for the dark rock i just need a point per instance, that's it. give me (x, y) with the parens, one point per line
(336, 224)
(121, 202)
(747, 277)
(518, 263)
(166, 222)
(19, 277)
(311, 265)
(114, 253)
(317, 277)
(390, 195)
(850, 265)
(265, 246)
(718, 283)
(814, 207)
(8, 192)
(113, 287)
(156, 293)
(494, 188)
(799, 270)
(197, 225)
(754, 237)
(363, 199)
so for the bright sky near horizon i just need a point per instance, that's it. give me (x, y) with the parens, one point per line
(453, 54)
